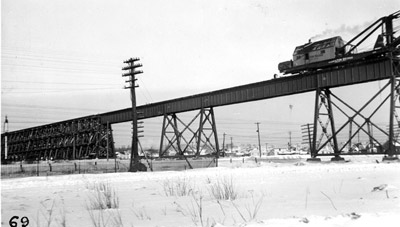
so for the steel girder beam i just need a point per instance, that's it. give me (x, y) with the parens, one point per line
(348, 74)
(186, 141)
(74, 139)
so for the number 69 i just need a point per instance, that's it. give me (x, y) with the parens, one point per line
(24, 221)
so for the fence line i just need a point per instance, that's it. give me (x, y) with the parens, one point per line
(45, 168)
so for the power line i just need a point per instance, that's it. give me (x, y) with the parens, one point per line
(144, 86)
(52, 83)
(64, 69)
(55, 55)
(58, 91)
(47, 107)
(52, 60)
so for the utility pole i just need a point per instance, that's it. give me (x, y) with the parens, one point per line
(231, 145)
(258, 131)
(131, 68)
(290, 132)
(223, 144)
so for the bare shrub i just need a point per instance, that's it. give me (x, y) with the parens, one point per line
(97, 218)
(178, 187)
(140, 213)
(224, 189)
(252, 209)
(195, 210)
(105, 218)
(62, 220)
(103, 197)
(48, 214)
(116, 219)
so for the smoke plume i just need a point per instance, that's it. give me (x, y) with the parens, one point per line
(344, 31)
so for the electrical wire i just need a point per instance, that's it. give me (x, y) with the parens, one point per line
(55, 83)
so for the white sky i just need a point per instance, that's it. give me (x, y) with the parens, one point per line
(62, 59)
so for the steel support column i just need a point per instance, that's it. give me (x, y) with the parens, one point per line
(394, 92)
(332, 121)
(175, 133)
(376, 145)
(313, 149)
(323, 99)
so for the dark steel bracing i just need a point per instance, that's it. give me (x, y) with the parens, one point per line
(323, 102)
(75, 139)
(385, 23)
(184, 141)
(388, 43)
(357, 120)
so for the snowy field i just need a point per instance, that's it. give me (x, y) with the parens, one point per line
(361, 192)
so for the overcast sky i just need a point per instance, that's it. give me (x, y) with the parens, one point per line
(62, 59)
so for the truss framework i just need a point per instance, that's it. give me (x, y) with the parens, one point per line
(324, 101)
(180, 144)
(82, 138)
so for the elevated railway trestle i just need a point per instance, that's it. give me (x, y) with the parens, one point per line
(71, 140)
(74, 139)
(358, 121)
(91, 136)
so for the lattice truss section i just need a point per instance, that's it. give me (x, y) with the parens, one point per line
(363, 131)
(77, 139)
(180, 139)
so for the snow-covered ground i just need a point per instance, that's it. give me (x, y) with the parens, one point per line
(362, 192)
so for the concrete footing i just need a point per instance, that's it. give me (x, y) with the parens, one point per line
(388, 158)
(313, 160)
(337, 159)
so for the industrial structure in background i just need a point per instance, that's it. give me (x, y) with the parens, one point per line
(91, 136)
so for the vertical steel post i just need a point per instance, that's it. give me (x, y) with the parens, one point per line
(316, 115)
(74, 143)
(5, 146)
(389, 39)
(392, 148)
(350, 134)
(389, 29)
(107, 139)
(331, 118)
(370, 133)
(160, 152)
(200, 131)
(177, 135)
(214, 128)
